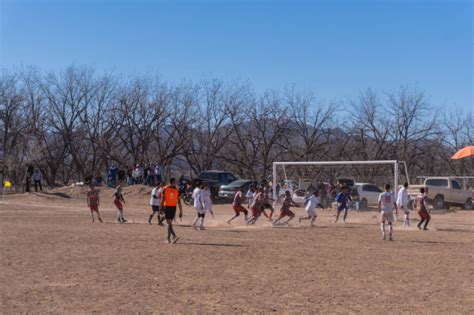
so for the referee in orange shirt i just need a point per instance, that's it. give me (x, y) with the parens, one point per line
(169, 202)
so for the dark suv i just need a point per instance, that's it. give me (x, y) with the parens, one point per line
(216, 179)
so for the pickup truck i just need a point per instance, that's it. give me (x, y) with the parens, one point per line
(444, 192)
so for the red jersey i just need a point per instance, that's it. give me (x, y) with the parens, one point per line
(237, 199)
(93, 197)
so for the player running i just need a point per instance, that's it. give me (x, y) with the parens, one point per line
(256, 207)
(93, 202)
(118, 203)
(311, 203)
(169, 202)
(386, 206)
(342, 198)
(266, 201)
(422, 210)
(285, 209)
(250, 195)
(402, 203)
(155, 203)
(237, 205)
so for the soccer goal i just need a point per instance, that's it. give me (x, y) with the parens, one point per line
(303, 174)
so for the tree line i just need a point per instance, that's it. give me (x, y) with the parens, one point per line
(76, 122)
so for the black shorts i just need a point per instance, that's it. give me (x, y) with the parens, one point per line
(267, 206)
(170, 213)
(201, 215)
(155, 209)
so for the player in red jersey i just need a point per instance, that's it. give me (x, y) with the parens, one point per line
(237, 205)
(93, 202)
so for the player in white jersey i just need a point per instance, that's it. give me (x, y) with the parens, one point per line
(207, 199)
(198, 197)
(402, 203)
(387, 205)
(155, 203)
(311, 203)
(250, 195)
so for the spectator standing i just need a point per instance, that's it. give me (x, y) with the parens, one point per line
(37, 176)
(158, 173)
(121, 177)
(112, 176)
(149, 175)
(29, 175)
(141, 174)
(130, 176)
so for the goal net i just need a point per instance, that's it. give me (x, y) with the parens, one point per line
(366, 179)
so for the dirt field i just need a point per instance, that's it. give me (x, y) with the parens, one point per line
(53, 259)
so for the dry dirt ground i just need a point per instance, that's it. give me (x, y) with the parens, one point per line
(54, 260)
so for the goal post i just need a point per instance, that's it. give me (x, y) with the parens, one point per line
(393, 163)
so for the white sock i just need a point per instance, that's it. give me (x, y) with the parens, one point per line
(382, 228)
(202, 223)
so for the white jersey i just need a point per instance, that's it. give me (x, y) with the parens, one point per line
(250, 195)
(155, 199)
(206, 194)
(311, 203)
(402, 198)
(387, 200)
(194, 195)
(198, 196)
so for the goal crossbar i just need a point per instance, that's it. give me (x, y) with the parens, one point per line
(373, 162)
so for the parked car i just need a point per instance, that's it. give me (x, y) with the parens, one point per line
(443, 192)
(216, 179)
(300, 195)
(228, 191)
(368, 194)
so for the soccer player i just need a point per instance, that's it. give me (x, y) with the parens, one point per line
(256, 207)
(169, 202)
(402, 203)
(237, 205)
(422, 210)
(285, 209)
(386, 206)
(199, 206)
(250, 195)
(266, 201)
(93, 202)
(311, 203)
(342, 198)
(155, 203)
(207, 199)
(118, 203)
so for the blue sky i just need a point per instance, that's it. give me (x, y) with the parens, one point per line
(334, 48)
